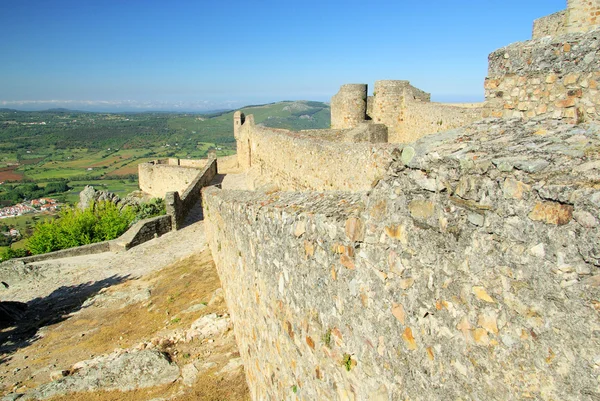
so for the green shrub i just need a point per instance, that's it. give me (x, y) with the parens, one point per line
(9, 253)
(154, 207)
(100, 222)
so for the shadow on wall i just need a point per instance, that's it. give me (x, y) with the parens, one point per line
(45, 311)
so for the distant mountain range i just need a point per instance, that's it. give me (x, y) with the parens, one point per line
(295, 115)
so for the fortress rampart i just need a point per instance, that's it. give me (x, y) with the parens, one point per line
(405, 110)
(465, 266)
(556, 77)
(473, 263)
(307, 160)
(180, 203)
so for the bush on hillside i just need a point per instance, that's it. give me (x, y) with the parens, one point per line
(154, 207)
(100, 222)
(9, 253)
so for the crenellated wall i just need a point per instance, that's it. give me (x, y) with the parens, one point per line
(471, 271)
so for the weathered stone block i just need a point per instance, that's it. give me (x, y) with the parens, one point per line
(552, 213)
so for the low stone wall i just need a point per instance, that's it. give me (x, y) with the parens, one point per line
(550, 25)
(90, 249)
(470, 271)
(555, 77)
(418, 119)
(227, 163)
(142, 231)
(303, 161)
(196, 163)
(179, 206)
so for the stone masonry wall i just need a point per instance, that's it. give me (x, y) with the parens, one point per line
(550, 25)
(158, 179)
(349, 106)
(556, 77)
(406, 111)
(582, 15)
(418, 119)
(470, 272)
(179, 204)
(303, 161)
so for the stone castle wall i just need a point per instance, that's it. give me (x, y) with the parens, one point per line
(464, 265)
(180, 203)
(582, 15)
(310, 160)
(470, 271)
(405, 110)
(557, 77)
(162, 176)
(419, 119)
(550, 25)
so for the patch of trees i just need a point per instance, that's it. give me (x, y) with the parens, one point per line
(101, 221)
(28, 191)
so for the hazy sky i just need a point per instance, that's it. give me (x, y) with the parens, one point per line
(198, 55)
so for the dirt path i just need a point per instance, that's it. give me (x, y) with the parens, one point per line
(86, 313)
(43, 278)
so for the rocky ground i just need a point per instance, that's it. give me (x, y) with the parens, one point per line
(146, 324)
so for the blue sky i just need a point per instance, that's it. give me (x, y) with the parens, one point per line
(200, 55)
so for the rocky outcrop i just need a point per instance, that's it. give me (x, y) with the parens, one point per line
(89, 195)
(118, 371)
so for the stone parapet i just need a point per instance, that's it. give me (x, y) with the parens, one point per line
(422, 118)
(142, 231)
(475, 260)
(314, 160)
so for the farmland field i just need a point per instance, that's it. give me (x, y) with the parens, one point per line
(104, 149)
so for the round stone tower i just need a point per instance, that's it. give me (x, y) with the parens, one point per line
(349, 106)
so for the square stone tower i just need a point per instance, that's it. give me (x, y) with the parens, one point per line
(582, 15)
